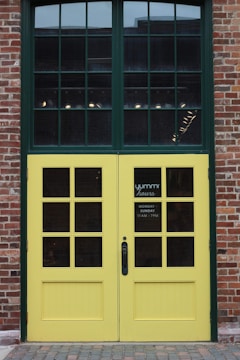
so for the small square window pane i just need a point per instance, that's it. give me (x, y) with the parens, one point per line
(188, 53)
(148, 217)
(147, 182)
(162, 91)
(135, 91)
(56, 182)
(161, 18)
(88, 251)
(46, 60)
(135, 17)
(189, 90)
(70, 58)
(162, 53)
(135, 127)
(73, 18)
(148, 251)
(99, 127)
(180, 182)
(56, 217)
(72, 128)
(46, 91)
(46, 18)
(56, 252)
(135, 53)
(99, 53)
(99, 17)
(188, 19)
(88, 217)
(162, 127)
(180, 216)
(88, 182)
(180, 251)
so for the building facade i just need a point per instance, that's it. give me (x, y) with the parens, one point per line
(193, 169)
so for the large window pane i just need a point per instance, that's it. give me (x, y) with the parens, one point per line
(73, 18)
(46, 128)
(162, 53)
(73, 54)
(46, 91)
(189, 90)
(135, 127)
(72, 91)
(46, 19)
(188, 19)
(135, 91)
(99, 127)
(72, 128)
(161, 18)
(188, 53)
(99, 53)
(162, 91)
(162, 127)
(135, 53)
(100, 17)
(46, 54)
(135, 16)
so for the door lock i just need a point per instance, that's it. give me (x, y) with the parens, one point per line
(124, 258)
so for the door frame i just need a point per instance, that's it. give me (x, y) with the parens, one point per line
(25, 150)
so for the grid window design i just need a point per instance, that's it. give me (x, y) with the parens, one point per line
(117, 75)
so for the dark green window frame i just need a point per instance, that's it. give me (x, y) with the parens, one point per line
(173, 127)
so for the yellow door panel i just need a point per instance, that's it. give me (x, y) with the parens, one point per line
(69, 300)
(118, 248)
(165, 295)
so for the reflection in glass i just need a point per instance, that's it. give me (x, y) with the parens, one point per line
(135, 53)
(180, 216)
(88, 251)
(99, 16)
(188, 19)
(88, 216)
(180, 251)
(162, 53)
(55, 182)
(135, 91)
(189, 90)
(135, 17)
(47, 17)
(56, 217)
(99, 54)
(162, 91)
(88, 182)
(161, 18)
(46, 60)
(189, 127)
(188, 53)
(72, 128)
(162, 127)
(56, 252)
(46, 128)
(73, 17)
(180, 182)
(46, 91)
(147, 182)
(99, 127)
(148, 251)
(72, 53)
(72, 91)
(148, 217)
(135, 127)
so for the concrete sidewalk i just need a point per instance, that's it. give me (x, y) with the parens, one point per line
(123, 351)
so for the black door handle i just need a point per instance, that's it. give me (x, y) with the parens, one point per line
(124, 258)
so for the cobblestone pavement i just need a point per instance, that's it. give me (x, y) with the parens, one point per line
(124, 351)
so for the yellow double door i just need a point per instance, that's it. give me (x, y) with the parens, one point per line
(118, 248)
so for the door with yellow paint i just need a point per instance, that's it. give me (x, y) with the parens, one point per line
(118, 248)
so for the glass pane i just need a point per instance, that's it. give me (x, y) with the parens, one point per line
(189, 127)
(135, 128)
(162, 53)
(148, 217)
(100, 17)
(88, 217)
(99, 127)
(188, 19)
(180, 182)
(161, 18)
(162, 91)
(73, 18)
(189, 90)
(162, 127)
(148, 251)
(180, 251)
(188, 53)
(135, 91)
(46, 91)
(88, 182)
(72, 128)
(72, 54)
(88, 252)
(46, 128)
(99, 53)
(180, 216)
(72, 91)
(56, 182)
(56, 252)
(135, 53)
(147, 182)
(135, 17)
(56, 217)
(99, 91)
(46, 18)
(46, 54)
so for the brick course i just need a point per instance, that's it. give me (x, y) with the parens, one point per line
(9, 169)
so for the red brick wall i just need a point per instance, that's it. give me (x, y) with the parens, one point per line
(9, 164)
(226, 45)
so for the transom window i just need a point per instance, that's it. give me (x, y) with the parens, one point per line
(117, 75)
